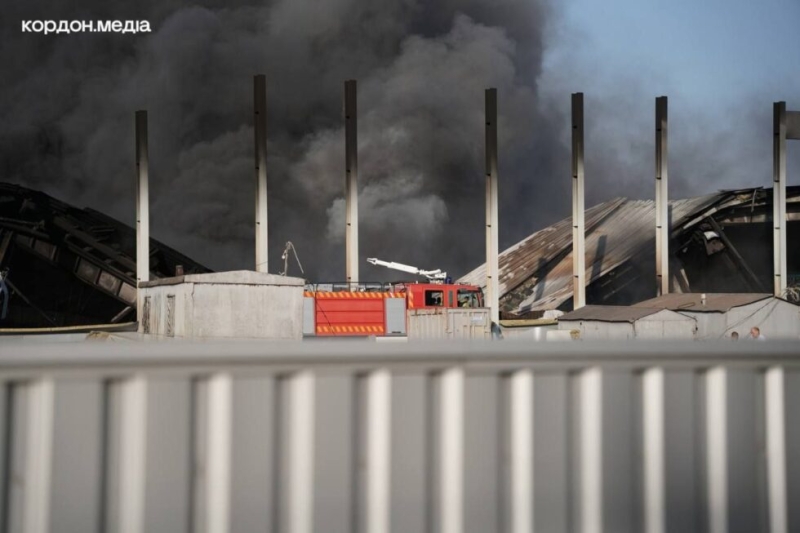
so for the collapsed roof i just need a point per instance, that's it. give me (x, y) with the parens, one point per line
(719, 242)
(66, 266)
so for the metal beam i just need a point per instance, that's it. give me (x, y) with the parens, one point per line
(779, 197)
(662, 198)
(752, 279)
(4, 244)
(492, 245)
(351, 180)
(142, 207)
(578, 224)
(260, 128)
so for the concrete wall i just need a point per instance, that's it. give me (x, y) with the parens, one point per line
(776, 318)
(595, 329)
(661, 325)
(534, 333)
(227, 304)
(709, 325)
(665, 325)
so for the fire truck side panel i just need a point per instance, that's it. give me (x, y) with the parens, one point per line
(350, 316)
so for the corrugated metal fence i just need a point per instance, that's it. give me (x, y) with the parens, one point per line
(294, 437)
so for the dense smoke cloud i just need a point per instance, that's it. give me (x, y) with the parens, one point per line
(67, 103)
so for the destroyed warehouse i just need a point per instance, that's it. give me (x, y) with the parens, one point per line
(719, 242)
(65, 266)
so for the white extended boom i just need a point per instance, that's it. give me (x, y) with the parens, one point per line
(433, 275)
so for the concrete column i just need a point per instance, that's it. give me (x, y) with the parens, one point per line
(653, 457)
(578, 227)
(260, 128)
(351, 180)
(37, 481)
(451, 451)
(219, 427)
(142, 207)
(775, 407)
(590, 451)
(131, 456)
(662, 198)
(378, 454)
(521, 451)
(779, 197)
(297, 499)
(716, 405)
(492, 245)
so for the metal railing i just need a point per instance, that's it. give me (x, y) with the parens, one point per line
(148, 437)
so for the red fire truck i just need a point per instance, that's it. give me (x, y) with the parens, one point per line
(379, 309)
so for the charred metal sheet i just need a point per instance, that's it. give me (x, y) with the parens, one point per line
(73, 266)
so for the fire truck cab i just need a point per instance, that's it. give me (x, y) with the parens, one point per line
(430, 295)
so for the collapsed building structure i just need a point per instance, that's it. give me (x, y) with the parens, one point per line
(65, 266)
(720, 242)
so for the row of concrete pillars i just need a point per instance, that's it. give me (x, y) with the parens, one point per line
(787, 126)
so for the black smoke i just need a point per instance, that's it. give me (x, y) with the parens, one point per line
(67, 104)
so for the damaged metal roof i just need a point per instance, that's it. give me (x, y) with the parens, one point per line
(714, 302)
(536, 273)
(67, 266)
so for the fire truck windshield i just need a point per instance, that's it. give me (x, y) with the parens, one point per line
(469, 298)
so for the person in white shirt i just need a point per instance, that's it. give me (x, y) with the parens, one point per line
(755, 334)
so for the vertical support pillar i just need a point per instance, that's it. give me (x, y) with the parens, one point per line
(717, 449)
(351, 180)
(776, 449)
(451, 451)
(260, 128)
(218, 460)
(300, 451)
(521, 440)
(132, 455)
(654, 444)
(779, 197)
(39, 456)
(578, 227)
(142, 208)
(662, 198)
(492, 245)
(378, 451)
(590, 448)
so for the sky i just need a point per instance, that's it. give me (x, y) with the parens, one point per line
(67, 104)
(721, 63)
(712, 51)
